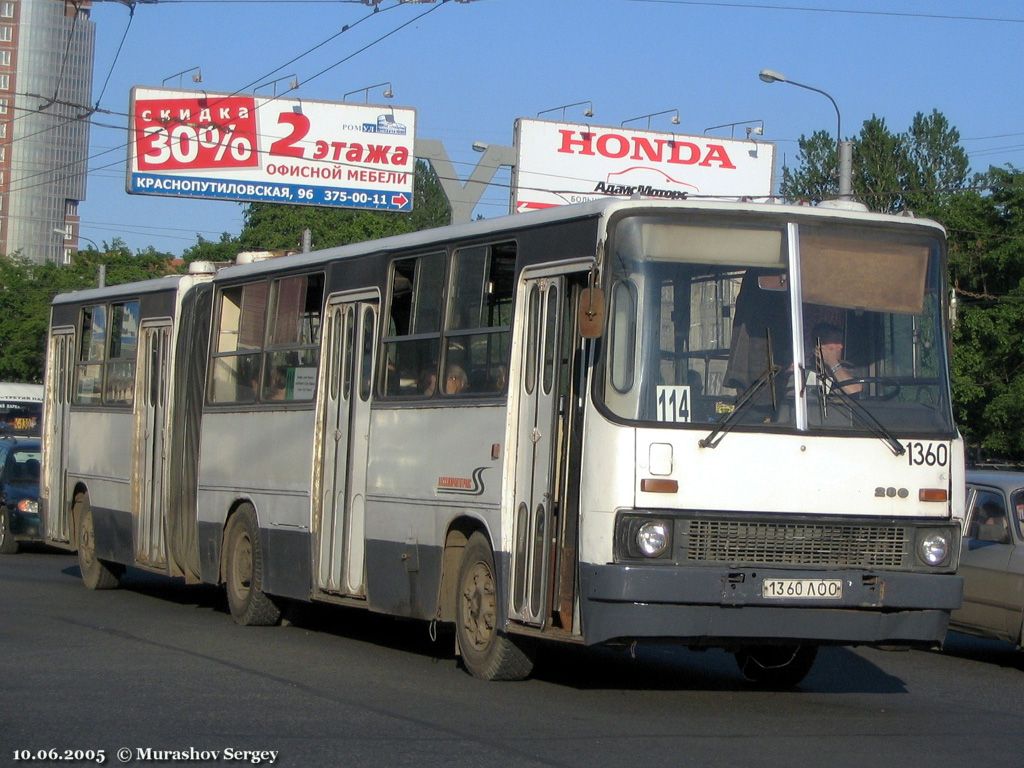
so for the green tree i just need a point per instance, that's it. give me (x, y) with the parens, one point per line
(815, 177)
(937, 166)
(986, 246)
(880, 166)
(224, 249)
(26, 290)
(892, 172)
(270, 226)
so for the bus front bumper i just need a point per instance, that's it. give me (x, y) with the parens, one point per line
(716, 606)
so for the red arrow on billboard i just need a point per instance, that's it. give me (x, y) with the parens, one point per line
(400, 200)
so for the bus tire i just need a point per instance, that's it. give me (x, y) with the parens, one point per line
(486, 653)
(250, 606)
(776, 666)
(8, 544)
(96, 573)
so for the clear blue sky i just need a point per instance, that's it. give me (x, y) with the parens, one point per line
(470, 69)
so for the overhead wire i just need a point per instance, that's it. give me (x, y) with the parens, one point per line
(819, 9)
(344, 29)
(117, 54)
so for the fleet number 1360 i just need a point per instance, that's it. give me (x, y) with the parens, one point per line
(927, 454)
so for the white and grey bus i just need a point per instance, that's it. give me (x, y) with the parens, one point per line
(723, 424)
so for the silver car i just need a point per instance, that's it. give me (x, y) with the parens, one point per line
(992, 557)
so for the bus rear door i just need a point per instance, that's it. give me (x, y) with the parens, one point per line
(150, 452)
(349, 342)
(61, 367)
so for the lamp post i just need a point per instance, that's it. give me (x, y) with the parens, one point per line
(674, 112)
(197, 76)
(293, 84)
(844, 149)
(101, 275)
(388, 92)
(589, 112)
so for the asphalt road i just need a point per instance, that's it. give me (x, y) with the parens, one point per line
(160, 666)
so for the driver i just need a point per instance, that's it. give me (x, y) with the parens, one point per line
(828, 341)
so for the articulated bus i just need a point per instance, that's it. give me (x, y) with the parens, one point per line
(719, 424)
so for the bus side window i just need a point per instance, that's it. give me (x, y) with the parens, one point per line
(235, 369)
(410, 349)
(478, 319)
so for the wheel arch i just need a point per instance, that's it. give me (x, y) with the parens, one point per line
(455, 540)
(80, 490)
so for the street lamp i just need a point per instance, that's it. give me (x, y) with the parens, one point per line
(753, 127)
(67, 235)
(293, 84)
(197, 76)
(588, 113)
(675, 117)
(388, 93)
(844, 149)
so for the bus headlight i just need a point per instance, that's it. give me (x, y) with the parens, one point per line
(652, 538)
(933, 548)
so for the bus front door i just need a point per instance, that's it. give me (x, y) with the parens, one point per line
(540, 430)
(150, 452)
(61, 365)
(349, 341)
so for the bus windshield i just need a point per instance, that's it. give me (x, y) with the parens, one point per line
(20, 418)
(707, 323)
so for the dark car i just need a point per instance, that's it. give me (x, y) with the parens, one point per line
(992, 557)
(19, 492)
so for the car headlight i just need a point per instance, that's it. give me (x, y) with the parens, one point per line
(933, 548)
(28, 506)
(652, 538)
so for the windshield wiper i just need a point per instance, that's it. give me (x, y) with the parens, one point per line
(858, 411)
(766, 379)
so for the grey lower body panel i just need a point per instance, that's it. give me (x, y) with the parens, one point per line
(114, 532)
(286, 559)
(720, 606)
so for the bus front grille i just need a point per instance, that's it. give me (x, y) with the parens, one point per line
(795, 544)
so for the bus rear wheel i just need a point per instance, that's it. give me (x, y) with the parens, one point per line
(96, 573)
(776, 666)
(243, 572)
(486, 653)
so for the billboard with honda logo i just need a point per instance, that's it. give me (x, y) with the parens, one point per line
(565, 163)
(249, 148)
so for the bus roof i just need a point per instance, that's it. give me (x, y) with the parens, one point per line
(601, 208)
(11, 390)
(166, 283)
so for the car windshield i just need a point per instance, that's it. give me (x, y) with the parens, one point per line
(702, 325)
(22, 465)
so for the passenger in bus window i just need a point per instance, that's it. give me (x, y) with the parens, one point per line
(277, 386)
(455, 380)
(427, 382)
(828, 341)
(500, 379)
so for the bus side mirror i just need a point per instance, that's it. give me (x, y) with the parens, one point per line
(591, 318)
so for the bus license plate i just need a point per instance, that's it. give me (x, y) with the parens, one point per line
(802, 589)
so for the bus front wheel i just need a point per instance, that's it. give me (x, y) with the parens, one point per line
(96, 573)
(243, 572)
(486, 653)
(776, 666)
